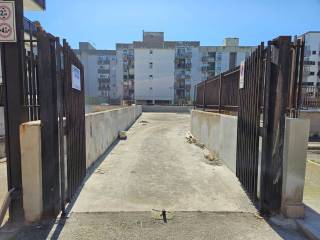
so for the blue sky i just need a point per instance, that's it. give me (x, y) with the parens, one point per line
(106, 22)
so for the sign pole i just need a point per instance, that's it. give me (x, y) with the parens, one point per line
(12, 67)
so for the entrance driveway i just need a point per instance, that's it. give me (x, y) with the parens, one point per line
(154, 169)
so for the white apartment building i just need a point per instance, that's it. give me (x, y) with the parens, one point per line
(101, 85)
(154, 75)
(191, 64)
(155, 71)
(311, 73)
(218, 59)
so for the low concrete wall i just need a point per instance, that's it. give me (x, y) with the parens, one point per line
(102, 129)
(31, 169)
(164, 108)
(314, 117)
(218, 132)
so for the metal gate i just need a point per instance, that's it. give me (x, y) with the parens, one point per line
(272, 85)
(43, 90)
(75, 121)
(62, 113)
(249, 123)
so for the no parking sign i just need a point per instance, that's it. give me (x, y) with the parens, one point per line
(7, 22)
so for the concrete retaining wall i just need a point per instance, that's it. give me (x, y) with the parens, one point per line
(218, 132)
(314, 117)
(102, 129)
(163, 108)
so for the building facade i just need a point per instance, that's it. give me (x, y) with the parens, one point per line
(155, 71)
(125, 71)
(218, 59)
(311, 73)
(101, 84)
(154, 76)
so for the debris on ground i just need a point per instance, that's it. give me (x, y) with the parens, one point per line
(209, 156)
(122, 135)
(158, 214)
(192, 140)
(143, 122)
(99, 171)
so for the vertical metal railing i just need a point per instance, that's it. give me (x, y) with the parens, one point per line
(219, 93)
(75, 122)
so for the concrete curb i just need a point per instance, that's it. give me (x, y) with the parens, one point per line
(307, 231)
(310, 225)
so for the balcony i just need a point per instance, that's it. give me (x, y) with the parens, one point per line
(103, 71)
(184, 55)
(104, 87)
(103, 80)
(103, 62)
(204, 69)
(183, 66)
(34, 5)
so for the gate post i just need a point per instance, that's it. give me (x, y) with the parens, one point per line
(49, 124)
(274, 117)
(12, 59)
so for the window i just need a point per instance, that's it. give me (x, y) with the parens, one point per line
(151, 51)
(311, 74)
(309, 62)
(150, 77)
(307, 84)
(314, 52)
(212, 54)
(151, 65)
(232, 60)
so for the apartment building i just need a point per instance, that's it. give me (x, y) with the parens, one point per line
(101, 85)
(311, 73)
(218, 59)
(125, 70)
(192, 64)
(155, 71)
(187, 70)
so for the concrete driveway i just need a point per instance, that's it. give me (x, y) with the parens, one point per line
(155, 168)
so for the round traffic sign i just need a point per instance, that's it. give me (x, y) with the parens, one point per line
(5, 30)
(5, 13)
